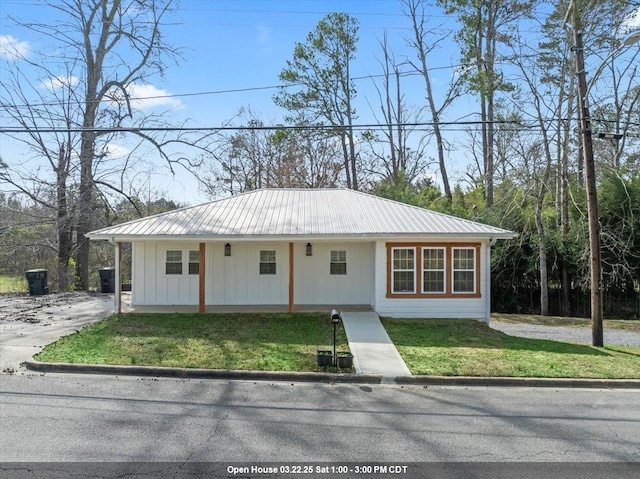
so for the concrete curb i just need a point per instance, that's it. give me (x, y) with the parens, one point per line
(192, 373)
(195, 373)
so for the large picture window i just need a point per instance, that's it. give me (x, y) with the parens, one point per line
(433, 270)
(403, 270)
(173, 264)
(268, 262)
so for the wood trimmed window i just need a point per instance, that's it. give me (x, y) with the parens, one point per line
(338, 264)
(403, 271)
(464, 270)
(267, 262)
(433, 270)
(194, 262)
(173, 264)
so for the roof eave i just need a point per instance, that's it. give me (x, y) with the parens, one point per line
(302, 237)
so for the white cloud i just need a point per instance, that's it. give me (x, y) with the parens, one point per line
(52, 84)
(145, 96)
(115, 152)
(632, 22)
(13, 48)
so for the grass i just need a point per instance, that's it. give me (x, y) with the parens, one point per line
(13, 284)
(619, 324)
(267, 342)
(471, 348)
(284, 342)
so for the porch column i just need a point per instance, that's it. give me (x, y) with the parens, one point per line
(291, 277)
(117, 306)
(201, 280)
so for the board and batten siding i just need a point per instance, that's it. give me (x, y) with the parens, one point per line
(236, 279)
(150, 285)
(314, 283)
(425, 307)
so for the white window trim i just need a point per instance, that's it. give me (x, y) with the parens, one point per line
(453, 270)
(444, 269)
(394, 270)
(274, 262)
(331, 263)
(166, 262)
(189, 262)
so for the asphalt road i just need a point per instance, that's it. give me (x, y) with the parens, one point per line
(96, 418)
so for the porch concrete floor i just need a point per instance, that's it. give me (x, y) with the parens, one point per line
(258, 308)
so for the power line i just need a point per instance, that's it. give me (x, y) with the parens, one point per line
(512, 125)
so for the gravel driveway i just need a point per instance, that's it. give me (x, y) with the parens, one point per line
(567, 334)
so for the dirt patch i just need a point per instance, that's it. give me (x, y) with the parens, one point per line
(35, 309)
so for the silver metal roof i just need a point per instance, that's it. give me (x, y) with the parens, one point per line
(298, 213)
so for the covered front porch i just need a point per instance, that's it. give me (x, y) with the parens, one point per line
(244, 308)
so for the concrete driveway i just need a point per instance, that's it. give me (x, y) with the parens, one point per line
(29, 323)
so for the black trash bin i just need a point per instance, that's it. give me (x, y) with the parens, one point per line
(37, 279)
(107, 280)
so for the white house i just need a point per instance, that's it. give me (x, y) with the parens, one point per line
(311, 247)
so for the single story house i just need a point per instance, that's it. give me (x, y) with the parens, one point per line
(312, 247)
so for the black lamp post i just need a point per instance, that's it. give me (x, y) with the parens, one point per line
(335, 319)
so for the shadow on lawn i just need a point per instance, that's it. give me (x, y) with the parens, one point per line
(473, 334)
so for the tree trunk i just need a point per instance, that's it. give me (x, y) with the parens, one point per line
(542, 249)
(63, 220)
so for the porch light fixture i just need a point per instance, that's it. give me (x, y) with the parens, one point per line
(309, 250)
(227, 249)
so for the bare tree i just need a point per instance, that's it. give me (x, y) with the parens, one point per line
(110, 51)
(419, 42)
(397, 158)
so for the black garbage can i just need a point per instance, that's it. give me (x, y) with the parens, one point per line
(107, 280)
(37, 279)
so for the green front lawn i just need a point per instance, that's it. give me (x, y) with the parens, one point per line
(288, 342)
(471, 348)
(268, 342)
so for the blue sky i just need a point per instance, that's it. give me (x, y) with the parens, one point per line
(239, 47)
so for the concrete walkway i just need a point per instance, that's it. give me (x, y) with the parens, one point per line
(373, 351)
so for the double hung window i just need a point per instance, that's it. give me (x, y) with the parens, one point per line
(173, 263)
(433, 270)
(267, 262)
(403, 270)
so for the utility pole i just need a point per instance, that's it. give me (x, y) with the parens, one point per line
(595, 260)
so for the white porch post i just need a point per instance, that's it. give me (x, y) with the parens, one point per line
(117, 306)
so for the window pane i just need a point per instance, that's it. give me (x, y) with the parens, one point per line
(267, 268)
(433, 258)
(268, 256)
(338, 268)
(194, 256)
(174, 256)
(403, 258)
(463, 281)
(433, 282)
(463, 258)
(194, 268)
(403, 282)
(173, 268)
(338, 256)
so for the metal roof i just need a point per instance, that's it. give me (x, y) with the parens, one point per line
(298, 213)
